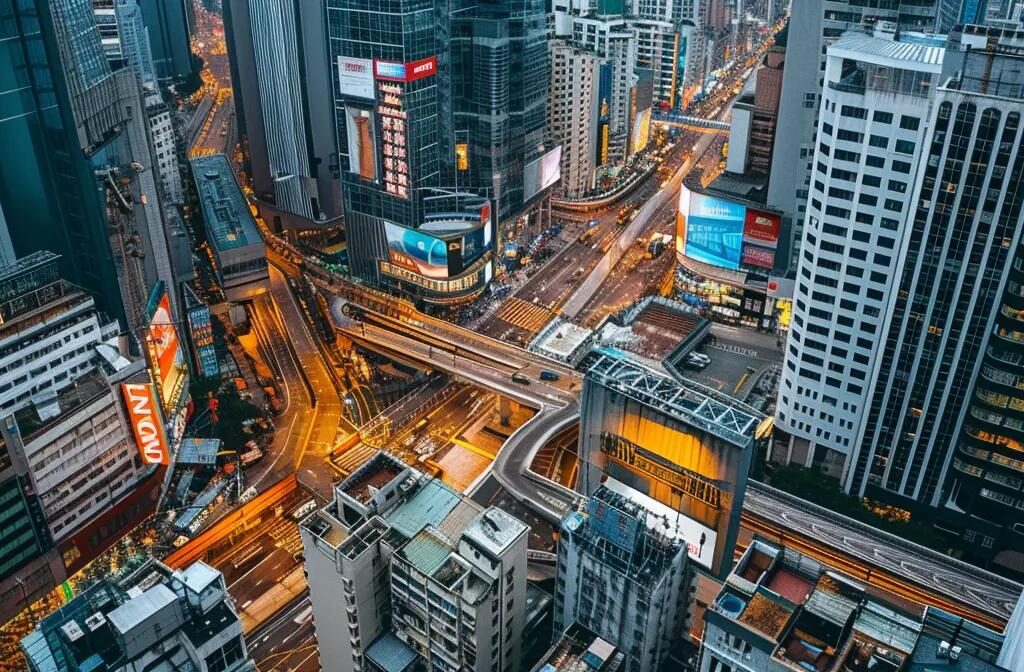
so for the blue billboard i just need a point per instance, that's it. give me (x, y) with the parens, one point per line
(714, 229)
(417, 252)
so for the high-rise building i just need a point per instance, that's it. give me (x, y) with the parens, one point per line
(818, 23)
(573, 113)
(624, 574)
(281, 85)
(155, 618)
(680, 444)
(404, 570)
(942, 420)
(170, 38)
(125, 37)
(166, 149)
(871, 133)
(418, 219)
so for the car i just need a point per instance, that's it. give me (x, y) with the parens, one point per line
(549, 375)
(520, 379)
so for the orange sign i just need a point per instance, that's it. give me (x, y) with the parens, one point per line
(145, 419)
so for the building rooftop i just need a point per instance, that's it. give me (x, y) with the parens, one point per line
(429, 506)
(562, 340)
(199, 451)
(702, 407)
(391, 654)
(886, 51)
(427, 551)
(655, 328)
(371, 477)
(579, 649)
(24, 265)
(229, 222)
(494, 530)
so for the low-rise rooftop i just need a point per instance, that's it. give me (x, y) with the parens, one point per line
(229, 222)
(579, 649)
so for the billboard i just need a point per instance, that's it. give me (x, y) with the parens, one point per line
(417, 252)
(712, 229)
(201, 329)
(146, 423)
(541, 173)
(762, 228)
(355, 77)
(405, 72)
(361, 132)
(166, 358)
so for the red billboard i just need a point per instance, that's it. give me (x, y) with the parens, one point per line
(753, 255)
(762, 228)
(166, 358)
(405, 72)
(146, 422)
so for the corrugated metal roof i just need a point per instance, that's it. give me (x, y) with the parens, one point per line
(391, 654)
(426, 551)
(428, 506)
(901, 51)
(458, 520)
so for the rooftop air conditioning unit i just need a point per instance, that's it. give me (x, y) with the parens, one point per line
(954, 653)
(943, 650)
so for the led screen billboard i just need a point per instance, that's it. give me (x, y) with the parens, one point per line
(355, 77)
(713, 229)
(166, 357)
(726, 234)
(362, 142)
(416, 251)
(541, 173)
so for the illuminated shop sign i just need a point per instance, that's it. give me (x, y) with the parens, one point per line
(393, 124)
(405, 72)
(146, 423)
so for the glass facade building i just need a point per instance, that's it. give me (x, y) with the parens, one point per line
(945, 426)
(48, 191)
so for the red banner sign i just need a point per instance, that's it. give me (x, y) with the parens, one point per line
(145, 419)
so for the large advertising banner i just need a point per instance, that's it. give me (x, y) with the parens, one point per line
(405, 72)
(146, 423)
(355, 77)
(362, 144)
(417, 252)
(541, 173)
(713, 229)
(166, 357)
(762, 228)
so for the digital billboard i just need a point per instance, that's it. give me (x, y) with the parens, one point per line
(166, 357)
(713, 229)
(201, 329)
(416, 251)
(722, 233)
(541, 173)
(362, 146)
(405, 72)
(146, 423)
(355, 77)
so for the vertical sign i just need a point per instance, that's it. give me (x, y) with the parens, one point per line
(146, 423)
(393, 138)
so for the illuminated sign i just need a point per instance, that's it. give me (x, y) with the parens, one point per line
(762, 228)
(462, 156)
(166, 359)
(394, 146)
(355, 77)
(405, 72)
(722, 233)
(202, 340)
(146, 423)
(416, 251)
(542, 172)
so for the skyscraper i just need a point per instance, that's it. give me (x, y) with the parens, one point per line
(573, 114)
(170, 37)
(814, 25)
(942, 428)
(281, 86)
(871, 130)
(410, 82)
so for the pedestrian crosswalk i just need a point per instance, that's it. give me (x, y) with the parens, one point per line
(525, 315)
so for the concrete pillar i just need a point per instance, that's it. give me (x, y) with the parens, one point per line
(504, 411)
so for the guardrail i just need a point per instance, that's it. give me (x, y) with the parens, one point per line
(601, 201)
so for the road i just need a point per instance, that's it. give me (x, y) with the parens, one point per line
(287, 641)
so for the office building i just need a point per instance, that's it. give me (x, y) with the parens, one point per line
(871, 137)
(404, 572)
(236, 245)
(280, 88)
(125, 37)
(573, 114)
(155, 618)
(819, 23)
(498, 80)
(754, 116)
(419, 219)
(686, 19)
(166, 153)
(658, 50)
(682, 445)
(624, 574)
(940, 427)
(170, 38)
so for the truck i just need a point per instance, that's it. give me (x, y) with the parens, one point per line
(548, 375)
